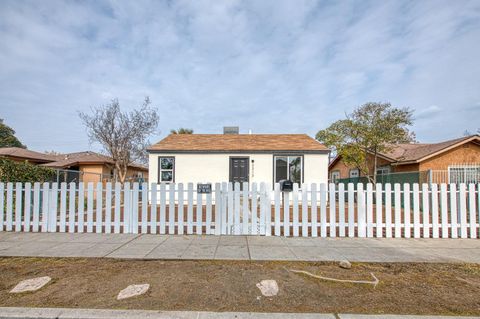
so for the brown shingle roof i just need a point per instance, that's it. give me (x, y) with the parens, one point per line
(416, 152)
(237, 142)
(22, 153)
(71, 159)
(88, 157)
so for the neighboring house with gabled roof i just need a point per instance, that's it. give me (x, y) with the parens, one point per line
(91, 166)
(269, 158)
(22, 154)
(456, 160)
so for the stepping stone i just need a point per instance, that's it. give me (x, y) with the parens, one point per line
(132, 291)
(30, 284)
(268, 288)
(345, 264)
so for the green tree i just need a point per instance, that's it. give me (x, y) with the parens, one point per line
(182, 131)
(7, 136)
(372, 128)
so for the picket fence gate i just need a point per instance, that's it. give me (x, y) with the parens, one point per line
(418, 211)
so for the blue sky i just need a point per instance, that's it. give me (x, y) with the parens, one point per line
(269, 66)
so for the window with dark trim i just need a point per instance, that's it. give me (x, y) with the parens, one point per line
(288, 167)
(166, 169)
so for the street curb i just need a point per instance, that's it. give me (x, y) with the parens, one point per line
(69, 313)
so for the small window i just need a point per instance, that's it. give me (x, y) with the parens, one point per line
(354, 173)
(384, 170)
(288, 167)
(334, 176)
(166, 168)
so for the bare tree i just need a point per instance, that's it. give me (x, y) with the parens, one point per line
(123, 135)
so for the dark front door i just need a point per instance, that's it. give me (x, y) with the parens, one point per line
(239, 169)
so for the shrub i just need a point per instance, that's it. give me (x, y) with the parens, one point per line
(12, 171)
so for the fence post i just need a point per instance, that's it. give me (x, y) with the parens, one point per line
(218, 208)
(463, 211)
(472, 211)
(18, 206)
(171, 208)
(361, 211)
(351, 210)
(153, 208)
(453, 210)
(224, 200)
(9, 207)
(313, 211)
(45, 206)
(254, 210)
(53, 208)
(333, 210)
(27, 207)
(81, 206)
(245, 219)
(295, 209)
(2, 186)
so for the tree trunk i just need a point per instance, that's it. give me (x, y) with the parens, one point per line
(121, 171)
(375, 166)
(369, 177)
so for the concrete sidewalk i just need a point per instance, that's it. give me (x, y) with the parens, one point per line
(238, 247)
(53, 313)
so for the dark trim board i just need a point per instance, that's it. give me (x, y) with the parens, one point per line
(237, 152)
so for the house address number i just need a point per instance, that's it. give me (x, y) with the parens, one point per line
(204, 188)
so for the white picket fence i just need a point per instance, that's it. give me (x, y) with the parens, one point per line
(419, 211)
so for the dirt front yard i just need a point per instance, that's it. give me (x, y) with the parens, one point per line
(231, 286)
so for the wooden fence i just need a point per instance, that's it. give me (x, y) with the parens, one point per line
(419, 211)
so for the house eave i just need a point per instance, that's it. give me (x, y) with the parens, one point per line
(150, 151)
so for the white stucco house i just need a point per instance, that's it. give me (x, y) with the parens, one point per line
(212, 158)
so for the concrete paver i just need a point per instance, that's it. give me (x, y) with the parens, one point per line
(199, 252)
(234, 252)
(132, 250)
(271, 253)
(238, 247)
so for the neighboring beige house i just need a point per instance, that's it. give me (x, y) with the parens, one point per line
(78, 167)
(269, 158)
(449, 161)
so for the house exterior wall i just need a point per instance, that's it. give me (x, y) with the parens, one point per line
(345, 170)
(101, 172)
(91, 173)
(213, 168)
(406, 168)
(468, 153)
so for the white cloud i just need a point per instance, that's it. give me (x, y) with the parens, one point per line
(272, 66)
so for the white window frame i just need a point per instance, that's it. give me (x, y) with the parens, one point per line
(354, 170)
(160, 170)
(384, 170)
(337, 174)
(288, 169)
